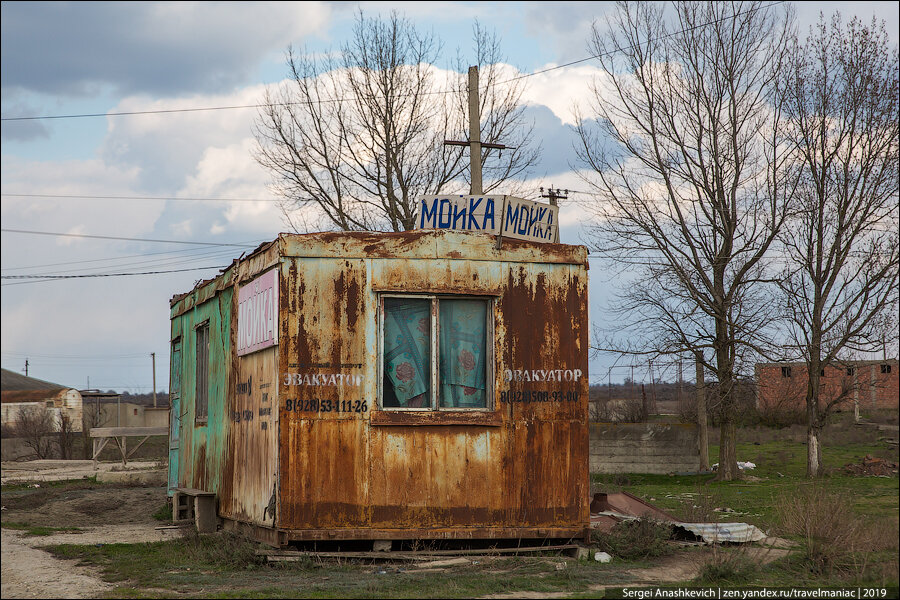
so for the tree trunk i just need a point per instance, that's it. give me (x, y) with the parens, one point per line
(813, 418)
(702, 433)
(813, 451)
(728, 469)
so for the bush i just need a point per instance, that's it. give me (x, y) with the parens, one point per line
(836, 541)
(729, 566)
(635, 539)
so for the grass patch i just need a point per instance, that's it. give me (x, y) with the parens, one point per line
(866, 505)
(17, 486)
(163, 513)
(225, 566)
(39, 530)
(780, 470)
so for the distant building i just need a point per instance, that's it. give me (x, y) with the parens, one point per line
(19, 392)
(111, 409)
(871, 383)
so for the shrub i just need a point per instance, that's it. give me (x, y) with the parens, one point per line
(635, 539)
(836, 541)
(731, 566)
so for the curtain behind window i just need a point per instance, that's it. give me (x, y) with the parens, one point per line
(407, 352)
(463, 353)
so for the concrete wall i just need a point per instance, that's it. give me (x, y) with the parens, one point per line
(657, 448)
(124, 414)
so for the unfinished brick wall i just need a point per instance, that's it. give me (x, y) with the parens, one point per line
(874, 384)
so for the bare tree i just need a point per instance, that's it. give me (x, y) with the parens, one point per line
(359, 135)
(66, 436)
(690, 180)
(842, 277)
(35, 425)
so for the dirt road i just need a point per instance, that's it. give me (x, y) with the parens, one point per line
(90, 513)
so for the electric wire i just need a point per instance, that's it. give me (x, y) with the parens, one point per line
(127, 239)
(342, 99)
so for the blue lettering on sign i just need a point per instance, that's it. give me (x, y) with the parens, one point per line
(424, 213)
(511, 218)
(444, 210)
(473, 224)
(524, 221)
(488, 214)
(459, 213)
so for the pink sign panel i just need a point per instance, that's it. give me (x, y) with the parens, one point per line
(258, 314)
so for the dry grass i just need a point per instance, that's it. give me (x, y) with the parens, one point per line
(836, 540)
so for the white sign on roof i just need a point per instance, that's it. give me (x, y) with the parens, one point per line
(498, 215)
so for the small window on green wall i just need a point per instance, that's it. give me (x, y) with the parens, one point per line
(201, 398)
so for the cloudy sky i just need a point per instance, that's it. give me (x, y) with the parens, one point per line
(86, 170)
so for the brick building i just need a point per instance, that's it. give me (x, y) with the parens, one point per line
(872, 383)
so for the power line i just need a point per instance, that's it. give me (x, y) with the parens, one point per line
(126, 239)
(73, 356)
(663, 37)
(157, 264)
(44, 278)
(339, 100)
(166, 198)
(95, 260)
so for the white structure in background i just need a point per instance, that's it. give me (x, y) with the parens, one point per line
(19, 392)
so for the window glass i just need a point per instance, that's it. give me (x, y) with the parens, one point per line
(202, 390)
(462, 350)
(407, 353)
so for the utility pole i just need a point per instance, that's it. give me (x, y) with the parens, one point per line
(555, 195)
(153, 355)
(26, 367)
(475, 144)
(474, 131)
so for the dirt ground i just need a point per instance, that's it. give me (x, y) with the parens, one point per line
(102, 514)
(111, 513)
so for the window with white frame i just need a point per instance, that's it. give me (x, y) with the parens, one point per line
(436, 352)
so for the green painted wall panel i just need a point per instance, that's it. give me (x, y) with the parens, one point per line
(202, 444)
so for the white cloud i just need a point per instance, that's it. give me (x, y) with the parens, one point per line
(74, 177)
(563, 90)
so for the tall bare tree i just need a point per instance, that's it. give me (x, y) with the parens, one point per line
(359, 134)
(842, 116)
(689, 177)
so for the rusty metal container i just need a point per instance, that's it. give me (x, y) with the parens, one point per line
(305, 436)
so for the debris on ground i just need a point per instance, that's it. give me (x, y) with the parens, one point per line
(742, 465)
(609, 509)
(872, 465)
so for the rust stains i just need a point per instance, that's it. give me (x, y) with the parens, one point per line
(340, 466)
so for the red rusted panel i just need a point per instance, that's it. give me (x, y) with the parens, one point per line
(342, 468)
(521, 465)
